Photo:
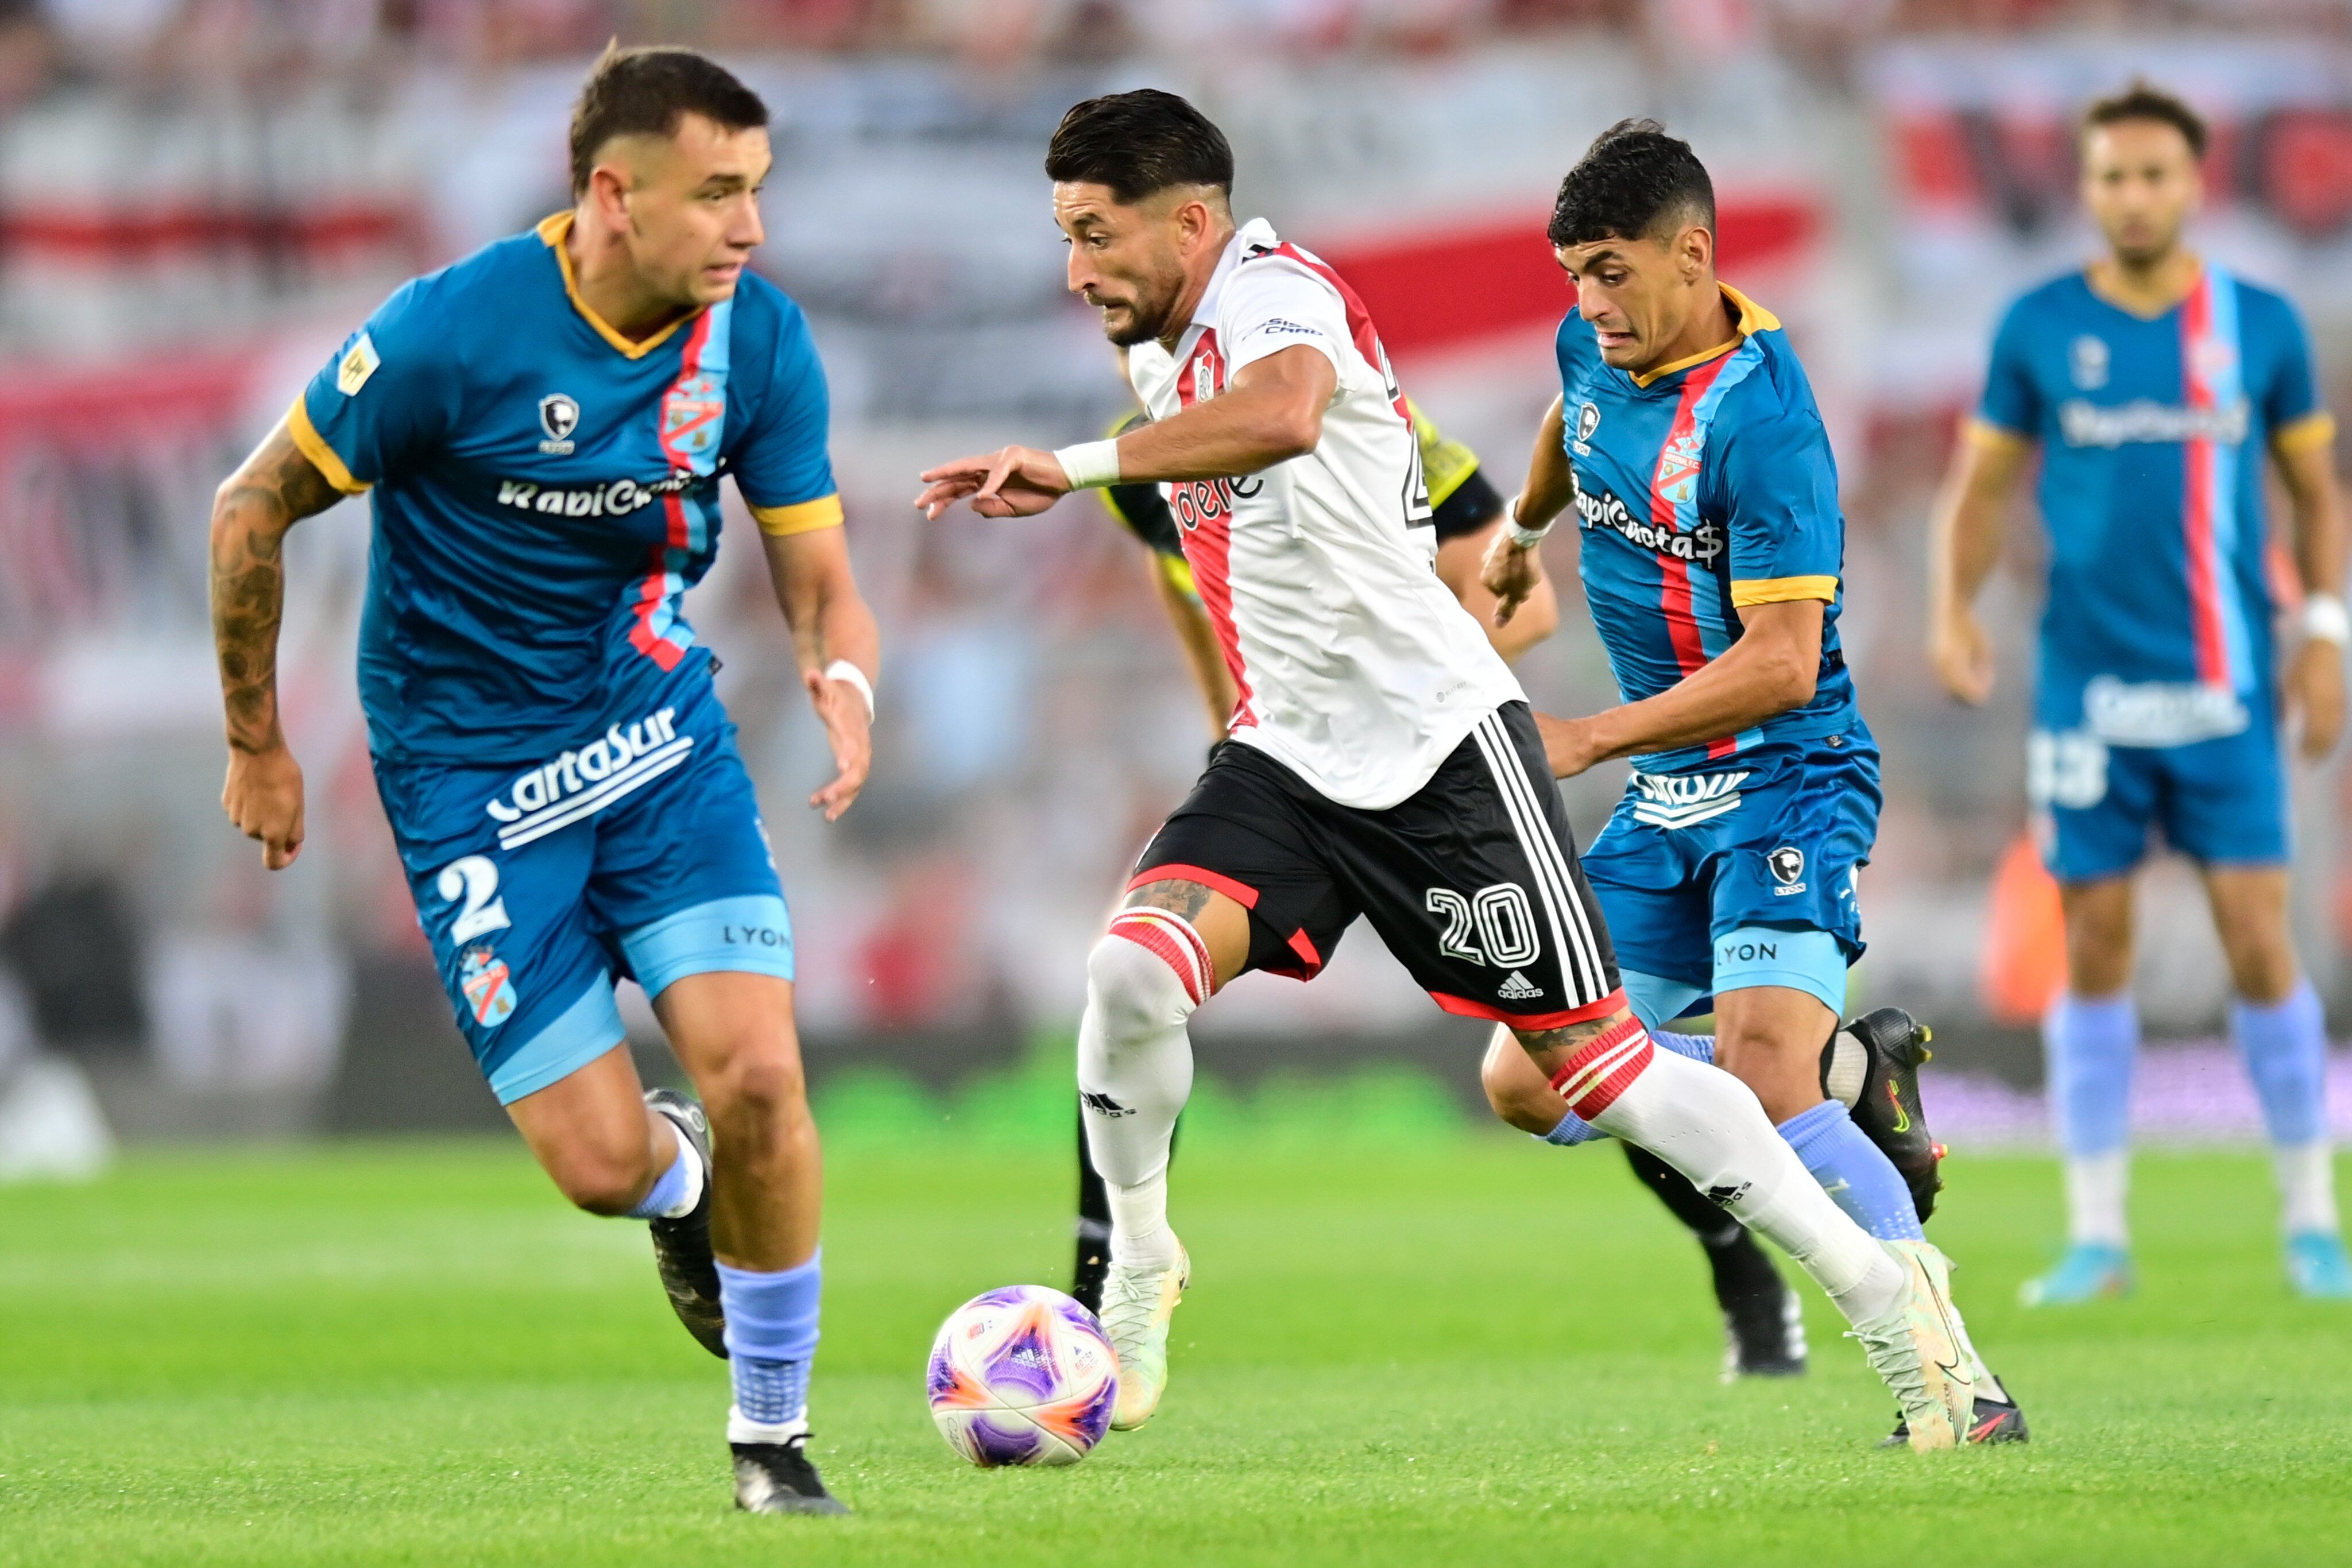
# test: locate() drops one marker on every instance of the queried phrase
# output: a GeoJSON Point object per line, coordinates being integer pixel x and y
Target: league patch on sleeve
{"type": "Point", "coordinates": [357, 366]}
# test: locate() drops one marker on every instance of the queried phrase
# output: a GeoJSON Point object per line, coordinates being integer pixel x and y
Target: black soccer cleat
{"type": "Point", "coordinates": [1883, 1076]}
{"type": "Point", "coordinates": [690, 1273]}
{"type": "Point", "coordinates": [1995, 1421]}
{"type": "Point", "coordinates": [1764, 1333]}
{"type": "Point", "coordinates": [777, 1478]}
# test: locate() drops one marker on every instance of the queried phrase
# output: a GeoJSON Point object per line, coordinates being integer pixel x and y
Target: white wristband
{"type": "Point", "coordinates": [1090, 465]}
{"type": "Point", "coordinates": [843, 670]}
{"type": "Point", "coordinates": [2325, 620]}
{"type": "Point", "coordinates": [1525, 539]}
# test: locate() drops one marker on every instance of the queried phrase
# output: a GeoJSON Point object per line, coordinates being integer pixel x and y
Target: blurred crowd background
{"type": "Point", "coordinates": [199, 198]}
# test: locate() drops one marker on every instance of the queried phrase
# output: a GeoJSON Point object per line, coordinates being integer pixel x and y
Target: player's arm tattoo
{"type": "Point", "coordinates": [1177, 897]}
{"type": "Point", "coordinates": [270, 493]}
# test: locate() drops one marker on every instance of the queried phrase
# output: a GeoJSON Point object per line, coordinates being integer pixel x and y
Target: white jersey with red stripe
{"type": "Point", "coordinates": [1357, 668]}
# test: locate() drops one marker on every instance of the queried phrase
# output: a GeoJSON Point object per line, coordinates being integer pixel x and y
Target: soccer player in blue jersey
{"type": "Point", "coordinates": [1687, 439]}
{"type": "Point", "coordinates": [543, 426]}
{"type": "Point", "coordinates": [2154, 385]}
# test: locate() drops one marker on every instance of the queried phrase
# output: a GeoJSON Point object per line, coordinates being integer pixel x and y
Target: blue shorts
{"type": "Point", "coordinates": [640, 854]}
{"type": "Point", "coordinates": [1742, 874]}
{"type": "Point", "coordinates": [2221, 801]}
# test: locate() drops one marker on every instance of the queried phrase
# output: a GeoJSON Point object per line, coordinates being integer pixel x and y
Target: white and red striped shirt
{"type": "Point", "coordinates": [1357, 669]}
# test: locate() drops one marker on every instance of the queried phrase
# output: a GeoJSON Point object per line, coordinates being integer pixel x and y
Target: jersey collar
{"type": "Point", "coordinates": [552, 231]}
{"type": "Point", "coordinates": [1257, 232]}
{"type": "Point", "coordinates": [1753, 319]}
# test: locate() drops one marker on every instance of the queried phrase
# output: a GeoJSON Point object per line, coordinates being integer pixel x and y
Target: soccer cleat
{"type": "Point", "coordinates": [2317, 1268]}
{"type": "Point", "coordinates": [777, 1478]}
{"type": "Point", "coordinates": [690, 1273]}
{"type": "Point", "coordinates": [1914, 1347]}
{"type": "Point", "coordinates": [1764, 1334]}
{"type": "Point", "coordinates": [2089, 1271]}
{"type": "Point", "coordinates": [1881, 1079]}
{"type": "Point", "coordinates": [1995, 1421]}
{"type": "Point", "coordinates": [1138, 1304]}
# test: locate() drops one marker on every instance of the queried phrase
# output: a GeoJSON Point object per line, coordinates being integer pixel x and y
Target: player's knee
{"type": "Point", "coordinates": [762, 1084]}
{"type": "Point", "coordinates": [1516, 1089]}
{"type": "Point", "coordinates": [603, 1178]}
{"type": "Point", "coordinates": [1134, 985]}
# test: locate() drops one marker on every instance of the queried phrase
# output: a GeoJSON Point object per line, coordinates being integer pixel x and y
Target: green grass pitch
{"type": "Point", "coordinates": [1452, 1349]}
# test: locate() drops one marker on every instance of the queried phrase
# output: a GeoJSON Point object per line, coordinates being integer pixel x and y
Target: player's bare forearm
{"type": "Point", "coordinates": [1551, 483]}
{"type": "Point", "coordinates": [1512, 572]}
{"type": "Point", "coordinates": [272, 490]}
{"type": "Point", "coordinates": [1272, 411]}
{"type": "Point", "coordinates": [830, 623]}
{"type": "Point", "coordinates": [1201, 649]}
{"type": "Point", "coordinates": [1770, 670]}
{"type": "Point", "coordinates": [1964, 545]}
{"type": "Point", "coordinates": [2316, 503]}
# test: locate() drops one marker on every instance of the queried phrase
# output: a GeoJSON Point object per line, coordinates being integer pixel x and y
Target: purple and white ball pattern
{"type": "Point", "coordinates": [1023, 1376]}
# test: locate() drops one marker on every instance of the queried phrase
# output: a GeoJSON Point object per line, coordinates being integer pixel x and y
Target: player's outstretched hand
{"type": "Point", "coordinates": [2314, 693]}
{"type": "Point", "coordinates": [1962, 655]}
{"type": "Point", "coordinates": [264, 797]}
{"type": "Point", "coordinates": [1510, 573]}
{"type": "Point", "coordinates": [1569, 745]}
{"type": "Point", "coordinates": [848, 729]}
{"type": "Point", "coordinates": [1016, 482]}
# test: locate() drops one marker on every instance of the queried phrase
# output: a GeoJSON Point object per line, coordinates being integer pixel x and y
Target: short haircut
{"type": "Point", "coordinates": [645, 92]}
{"type": "Point", "coordinates": [1139, 143]}
{"type": "Point", "coordinates": [2143, 99]}
{"type": "Point", "coordinates": [1631, 180]}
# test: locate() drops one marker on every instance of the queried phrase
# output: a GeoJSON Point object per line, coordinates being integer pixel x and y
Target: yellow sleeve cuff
{"type": "Point", "coordinates": [314, 446]}
{"type": "Point", "coordinates": [1980, 432]}
{"type": "Point", "coordinates": [2308, 433]}
{"type": "Point", "coordinates": [1781, 589]}
{"type": "Point", "coordinates": [800, 517]}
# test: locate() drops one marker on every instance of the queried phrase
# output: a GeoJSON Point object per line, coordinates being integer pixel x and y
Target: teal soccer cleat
{"type": "Point", "coordinates": [2317, 1268]}
{"type": "Point", "coordinates": [2089, 1271]}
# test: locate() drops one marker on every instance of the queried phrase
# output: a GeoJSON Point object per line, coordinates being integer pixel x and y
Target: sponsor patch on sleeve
{"type": "Point", "coordinates": [357, 365]}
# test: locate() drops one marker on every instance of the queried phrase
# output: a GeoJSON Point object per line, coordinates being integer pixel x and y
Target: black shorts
{"type": "Point", "coordinates": [1471, 881]}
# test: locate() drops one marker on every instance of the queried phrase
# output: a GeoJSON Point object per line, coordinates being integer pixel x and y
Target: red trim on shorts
{"type": "Point", "coordinates": [1241, 893]}
{"type": "Point", "coordinates": [1463, 1007]}
{"type": "Point", "coordinates": [1304, 947]}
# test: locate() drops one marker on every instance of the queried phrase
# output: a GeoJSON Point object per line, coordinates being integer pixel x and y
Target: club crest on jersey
{"type": "Point", "coordinates": [488, 986]}
{"type": "Point", "coordinates": [690, 418]}
{"type": "Point", "coordinates": [1588, 420]}
{"type": "Point", "coordinates": [1677, 476]}
{"type": "Point", "coordinates": [559, 416]}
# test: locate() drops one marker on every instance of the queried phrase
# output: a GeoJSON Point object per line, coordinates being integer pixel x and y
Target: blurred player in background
{"type": "Point", "coordinates": [1764, 1324]}
{"type": "Point", "coordinates": [1712, 549]}
{"type": "Point", "coordinates": [2154, 385]}
{"type": "Point", "coordinates": [544, 425]}
{"type": "Point", "coordinates": [1382, 762]}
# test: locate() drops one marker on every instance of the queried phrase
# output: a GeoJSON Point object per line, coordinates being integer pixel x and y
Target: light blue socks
{"type": "Point", "coordinates": [2090, 1046]}
{"type": "Point", "coordinates": [771, 1331]}
{"type": "Point", "coordinates": [2284, 1044]}
{"type": "Point", "coordinates": [1852, 1171]}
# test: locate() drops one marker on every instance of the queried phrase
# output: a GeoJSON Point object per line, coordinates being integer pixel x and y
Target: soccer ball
{"type": "Point", "coordinates": [1022, 1376]}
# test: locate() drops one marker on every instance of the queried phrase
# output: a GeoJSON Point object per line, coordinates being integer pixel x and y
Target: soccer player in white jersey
{"type": "Point", "coordinates": [1382, 760]}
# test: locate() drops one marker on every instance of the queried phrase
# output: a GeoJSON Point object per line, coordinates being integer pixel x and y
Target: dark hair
{"type": "Point", "coordinates": [645, 92]}
{"type": "Point", "coordinates": [1631, 179]}
{"type": "Point", "coordinates": [1137, 143]}
{"type": "Point", "coordinates": [2143, 99]}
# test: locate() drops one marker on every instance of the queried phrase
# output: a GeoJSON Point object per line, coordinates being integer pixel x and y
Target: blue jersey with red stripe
{"type": "Point", "coordinates": [546, 491]}
{"type": "Point", "coordinates": [2152, 431]}
{"type": "Point", "coordinates": [1701, 489]}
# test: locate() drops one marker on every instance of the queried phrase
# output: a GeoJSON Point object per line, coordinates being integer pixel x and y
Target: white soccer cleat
{"type": "Point", "coordinates": [1137, 1305]}
{"type": "Point", "coordinates": [1916, 1348]}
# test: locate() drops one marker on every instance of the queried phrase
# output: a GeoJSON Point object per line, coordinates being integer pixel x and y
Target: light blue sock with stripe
{"type": "Point", "coordinates": [2285, 1045]}
{"type": "Point", "coordinates": [772, 1332]}
{"type": "Point", "coordinates": [1853, 1171]}
{"type": "Point", "coordinates": [677, 1190]}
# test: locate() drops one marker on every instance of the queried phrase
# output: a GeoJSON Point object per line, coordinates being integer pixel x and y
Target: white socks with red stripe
{"type": "Point", "coordinates": [1135, 1069]}
{"type": "Point", "coordinates": [1709, 1125]}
